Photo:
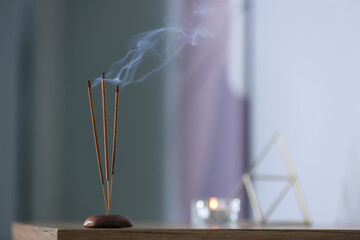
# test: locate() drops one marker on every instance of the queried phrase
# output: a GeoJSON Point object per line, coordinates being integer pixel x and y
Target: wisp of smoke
{"type": "Point", "coordinates": [161, 44]}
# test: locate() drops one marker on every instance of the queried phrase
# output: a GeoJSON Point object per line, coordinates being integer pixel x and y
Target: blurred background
{"type": "Point", "coordinates": [191, 129]}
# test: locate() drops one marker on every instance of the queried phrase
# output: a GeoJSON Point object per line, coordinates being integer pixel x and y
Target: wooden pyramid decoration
{"type": "Point", "coordinates": [291, 180]}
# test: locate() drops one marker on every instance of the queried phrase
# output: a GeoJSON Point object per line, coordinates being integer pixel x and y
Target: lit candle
{"type": "Point", "coordinates": [215, 210]}
{"type": "Point", "coordinates": [213, 203]}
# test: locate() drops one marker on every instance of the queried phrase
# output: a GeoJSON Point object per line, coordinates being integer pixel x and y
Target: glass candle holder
{"type": "Point", "coordinates": [215, 210]}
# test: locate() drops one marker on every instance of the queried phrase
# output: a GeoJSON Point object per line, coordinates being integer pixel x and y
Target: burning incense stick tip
{"type": "Point", "coordinates": [89, 84]}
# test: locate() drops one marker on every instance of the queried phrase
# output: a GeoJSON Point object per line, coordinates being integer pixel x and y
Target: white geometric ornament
{"type": "Point", "coordinates": [291, 180]}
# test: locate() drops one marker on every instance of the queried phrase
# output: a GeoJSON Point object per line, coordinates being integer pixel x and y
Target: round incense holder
{"type": "Point", "coordinates": [108, 221]}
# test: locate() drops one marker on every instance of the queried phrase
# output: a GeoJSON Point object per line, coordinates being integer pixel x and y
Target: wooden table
{"type": "Point", "coordinates": [68, 231]}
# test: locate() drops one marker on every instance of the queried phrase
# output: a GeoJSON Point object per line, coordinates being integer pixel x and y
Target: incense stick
{"type": "Point", "coordinates": [96, 141]}
{"type": "Point", "coordinates": [106, 149]}
{"type": "Point", "coordinates": [114, 141]}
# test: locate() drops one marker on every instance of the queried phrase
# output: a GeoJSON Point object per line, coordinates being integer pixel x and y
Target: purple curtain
{"type": "Point", "coordinates": [211, 132]}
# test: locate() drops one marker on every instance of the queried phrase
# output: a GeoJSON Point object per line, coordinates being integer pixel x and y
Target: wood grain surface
{"type": "Point", "coordinates": [67, 231]}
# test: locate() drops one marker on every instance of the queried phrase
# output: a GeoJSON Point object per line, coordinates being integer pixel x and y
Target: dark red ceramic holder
{"type": "Point", "coordinates": [108, 221]}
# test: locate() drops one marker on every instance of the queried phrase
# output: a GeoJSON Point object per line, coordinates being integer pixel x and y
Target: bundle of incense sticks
{"type": "Point", "coordinates": [108, 193]}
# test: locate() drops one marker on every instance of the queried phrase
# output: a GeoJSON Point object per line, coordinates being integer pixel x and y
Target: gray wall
{"type": "Point", "coordinates": [9, 45]}
{"type": "Point", "coordinates": [76, 41]}
{"type": "Point", "coordinates": [307, 86]}
{"type": "Point", "coordinates": [48, 169]}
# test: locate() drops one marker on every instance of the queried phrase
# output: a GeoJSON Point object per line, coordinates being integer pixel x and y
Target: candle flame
{"type": "Point", "coordinates": [213, 203]}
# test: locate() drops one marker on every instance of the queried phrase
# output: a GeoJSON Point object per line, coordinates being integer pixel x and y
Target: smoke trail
{"type": "Point", "coordinates": [161, 45]}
